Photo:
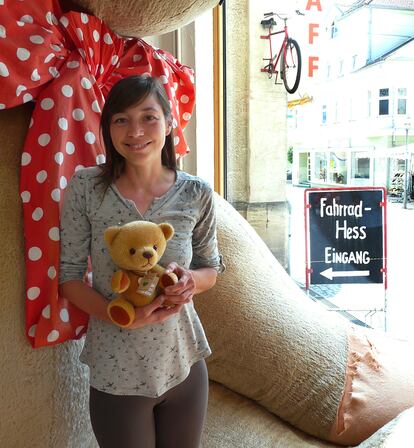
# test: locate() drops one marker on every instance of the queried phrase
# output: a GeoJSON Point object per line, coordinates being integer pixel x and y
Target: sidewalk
{"type": "Point", "coordinates": [363, 297]}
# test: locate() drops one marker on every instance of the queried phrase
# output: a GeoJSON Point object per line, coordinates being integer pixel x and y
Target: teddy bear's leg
{"type": "Point", "coordinates": [121, 312]}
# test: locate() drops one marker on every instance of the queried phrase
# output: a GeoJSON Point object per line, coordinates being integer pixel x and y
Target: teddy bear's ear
{"type": "Point", "coordinates": [110, 234]}
{"type": "Point", "coordinates": [167, 230]}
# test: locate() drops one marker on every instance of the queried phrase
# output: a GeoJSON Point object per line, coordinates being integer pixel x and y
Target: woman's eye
{"type": "Point", "coordinates": [151, 117]}
{"type": "Point", "coordinates": [120, 120]}
{"type": "Point", "coordinates": [155, 247]}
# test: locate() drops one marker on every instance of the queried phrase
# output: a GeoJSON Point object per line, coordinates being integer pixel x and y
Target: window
{"type": "Point", "coordinates": [402, 101]}
{"type": "Point", "coordinates": [341, 68]}
{"type": "Point", "coordinates": [328, 71]}
{"type": "Point", "coordinates": [324, 113]}
{"type": "Point", "coordinates": [320, 166]}
{"type": "Point", "coordinates": [334, 30]}
{"type": "Point", "coordinates": [354, 60]}
{"type": "Point", "coordinates": [384, 101]}
{"type": "Point", "coordinates": [338, 167]}
{"type": "Point", "coordinates": [360, 166]}
{"type": "Point", "coordinates": [369, 103]}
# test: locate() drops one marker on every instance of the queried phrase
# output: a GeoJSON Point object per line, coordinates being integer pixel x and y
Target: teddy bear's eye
{"type": "Point", "coordinates": [155, 247]}
{"type": "Point", "coordinates": [132, 251]}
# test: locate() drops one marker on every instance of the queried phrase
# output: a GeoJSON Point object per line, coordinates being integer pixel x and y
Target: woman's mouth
{"type": "Point", "coordinates": [137, 146]}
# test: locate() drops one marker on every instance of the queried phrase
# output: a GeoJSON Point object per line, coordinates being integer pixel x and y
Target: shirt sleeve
{"type": "Point", "coordinates": [205, 249]}
{"type": "Point", "coordinates": [75, 232]}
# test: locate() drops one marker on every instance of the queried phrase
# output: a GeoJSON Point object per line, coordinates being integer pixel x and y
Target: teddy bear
{"type": "Point", "coordinates": [136, 248]}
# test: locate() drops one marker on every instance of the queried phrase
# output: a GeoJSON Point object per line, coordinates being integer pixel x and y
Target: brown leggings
{"type": "Point", "coordinates": [174, 420]}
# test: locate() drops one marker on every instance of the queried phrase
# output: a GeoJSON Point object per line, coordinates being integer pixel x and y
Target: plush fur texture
{"type": "Point", "coordinates": [140, 18]}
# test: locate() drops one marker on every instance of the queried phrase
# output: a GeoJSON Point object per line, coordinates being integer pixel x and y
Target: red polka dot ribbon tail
{"type": "Point", "coordinates": [67, 64]}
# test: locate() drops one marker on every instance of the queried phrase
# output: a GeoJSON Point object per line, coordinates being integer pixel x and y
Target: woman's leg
{"type": "Point", "coordinates": [179, 418]}
{"type": "Point", "coordinates": [122, 421]}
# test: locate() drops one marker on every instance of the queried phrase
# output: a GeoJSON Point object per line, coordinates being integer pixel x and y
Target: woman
{"type": "Point", "coordinates": [149, 382]}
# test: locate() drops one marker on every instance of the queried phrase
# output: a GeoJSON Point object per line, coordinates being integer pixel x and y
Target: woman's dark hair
{"type": "Point", "coordinates": [124, 94]}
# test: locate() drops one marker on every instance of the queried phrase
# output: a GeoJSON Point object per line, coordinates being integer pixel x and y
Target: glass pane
{"type": "Point", "coordinates": [320, 166]}
{"type": "Point", "coordinates": [383, 107]}
{"type": "Point", "coordinates": [402, 106]}
{"type": "Point", "coordinates": [384, 92]}
{"type": "Point", "coordinates": [338, 169]}
{"type": "Point", "coordinates": [402, 92]}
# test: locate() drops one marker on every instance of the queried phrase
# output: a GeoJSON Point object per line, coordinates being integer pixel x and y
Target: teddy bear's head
{"type": "Point", "coordinates": [138, 245]}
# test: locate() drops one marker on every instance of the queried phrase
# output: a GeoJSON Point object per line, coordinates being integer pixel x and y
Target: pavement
{"type": "Point", "coordinates": [370, 305]}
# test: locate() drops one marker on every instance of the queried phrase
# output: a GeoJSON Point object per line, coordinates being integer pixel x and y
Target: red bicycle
{"type": "Point", "coordinates": [288, 55]}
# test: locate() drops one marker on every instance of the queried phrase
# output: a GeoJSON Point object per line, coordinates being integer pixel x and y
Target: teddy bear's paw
{"type": "Point", "coordinates": [121, 312]}
{"type": "Point", "coordinates": [168, 280]}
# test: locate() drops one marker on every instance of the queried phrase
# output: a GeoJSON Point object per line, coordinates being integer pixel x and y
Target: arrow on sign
{"type": "Point", "coordinates": [330, 274]}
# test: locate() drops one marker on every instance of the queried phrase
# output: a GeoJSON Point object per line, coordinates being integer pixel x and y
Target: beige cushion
{"type": "Point", "coordinates": [234, 421]}
{"type": "Point", "coordinates": [140, 18]}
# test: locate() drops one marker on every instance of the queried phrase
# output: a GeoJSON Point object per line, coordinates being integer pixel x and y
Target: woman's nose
{"type": "Point", "coordinates": [135, 130]}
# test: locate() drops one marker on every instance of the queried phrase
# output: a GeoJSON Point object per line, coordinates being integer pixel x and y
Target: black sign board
{"type": "Point", "coordinates": [345, 235]}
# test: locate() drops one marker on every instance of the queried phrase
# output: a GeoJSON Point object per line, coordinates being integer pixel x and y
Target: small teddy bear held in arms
{"type": "Point", "coordinates": [136, 248]}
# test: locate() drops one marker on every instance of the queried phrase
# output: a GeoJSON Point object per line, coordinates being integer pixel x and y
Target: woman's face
{"type": "Point", "coordinates": [138, 133]}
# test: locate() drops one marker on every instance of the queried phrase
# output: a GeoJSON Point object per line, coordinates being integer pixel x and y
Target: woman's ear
{"type": "Point", "coordinates": [168, 127]}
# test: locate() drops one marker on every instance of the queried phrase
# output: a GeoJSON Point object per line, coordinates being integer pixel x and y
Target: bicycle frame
{"type": "Point", "coordinates": [274, 60]}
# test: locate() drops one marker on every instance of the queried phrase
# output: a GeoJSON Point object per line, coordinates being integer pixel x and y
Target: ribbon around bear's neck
{"type": "Point", "coordinates": [67, 64]}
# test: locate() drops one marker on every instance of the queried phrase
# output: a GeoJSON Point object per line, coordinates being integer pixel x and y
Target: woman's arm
{"type": "Point", "coordinates": [85, 298]}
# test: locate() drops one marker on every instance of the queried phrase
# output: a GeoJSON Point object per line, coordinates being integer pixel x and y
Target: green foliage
{"type": "Point", "coordinates": [290, 154]}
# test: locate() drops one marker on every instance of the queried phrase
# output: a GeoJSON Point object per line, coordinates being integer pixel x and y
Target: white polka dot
{"type": "Point", "coordinates": [70, 148]}
{"type": "Point", "coordinates": [176, 140]}
{"type": "Point", "coordinates": [78, 114]}
{"type": "Point", "coordinates": [4, 71]}
{"type": "Point", "coordinates": [37, 214]}
{"type": "Point", "coordinates": [184, 99]}
{"type": "Point", "coordinates": [44, 139]}
{"type": "Point", "coordinates": [46, 312]}
{"type": "Point", "coordinates": [73, 64]}
{"type": "Point", "coordinates": [67, 90]}
{"type": "Point", "coordinates": [56, 194]}
{"type": "Point", "coordinates": [156, 55]}
{"type": "Point", "coordinates": [108, 39]}
{"type": "Point", "coordinates": [26, 158]}
{"type": "Point", "coordinates": [64, 21]}
{"type": "Point", "coordinates": [32, 331]}
{"type": "Point", "coordinates": [83, 54]}
{"type": "Point", "coordinates": [63, 182]}
{"type": "Point", "coordinates": [23, 54]}
{"type": "Point", "coordinates": [137, 57]}
{"type": "Point", "coordinates": [2, 32]}
{"type": "Point", "coordinates": [79, 329]}
{"type": "Point", "coordinates": [51, 18]}
{"type": "Point", "coordinates": [114, 59]}
{"type": "Point", "coordinates": [55, 47]}
{"type": "Point", "coordinates": [84, 17]}
{"type": "Point", "coordinates": [63, 124]}
{"type": "Point", "coordinates": [64, 315]}
{"type": "Point", "coordinates": [95, 107]}
{"type": "Point", "coordinates": [26, 19]}
{"type": "Point", "coordinates": [25, 195]}
{"type": "Point", "coordinates": [36, 39]}
{"type": "Point", "coordinates": [53, 336]}
{"type": "Point", "coordinates": [59, 158]}
{"type": "Point", "coordinates": [41, 176]}
{"type": "Point", "coordinates": [2, 106]}
{"type": "Point", "coordinates": [20, 88]}
{"type": "Point", "coordinates": [54, 234]}
{"type": "Point", "coordinates": [186, 116]}
{"type": "Point", "coordinates": [49, 57]}
{"type": "Point", "coordinates": [79, 167]}
{"type": "Point", "coordinates": [51, 272]}
{"type": "Point", "coordinates": [79, 33]}
{"type": "Point", "coordinates": [35, 75]}
{"type": "Point", "coordinates": [31, 122]}
{"type": "Point", "coordinates": [86, 84]}
{"type": "Point", "coordinates": [191, 78]}
{"type": "Point", "coordinates": [33, 293]}
{"type": "Point", "coordinates": [164, 79]}
{"type": "Point", "coordinates": [100, 158]}
{"type": "Point", "coordinates": [96, 36]}
{"type": "Point", "coordinates": [47, 103]}
{"type": "Point", "coordinates": [174, 123]}
{"type": "Point", "coordinates": [54, 72]}
{"type": "Point", "coordinates": [90, 137]}
{"type": "Point", "coordinates": [35, 253]}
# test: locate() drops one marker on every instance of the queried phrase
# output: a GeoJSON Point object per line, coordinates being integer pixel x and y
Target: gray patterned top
{"type": "Point", "coordinates": [150, 360]}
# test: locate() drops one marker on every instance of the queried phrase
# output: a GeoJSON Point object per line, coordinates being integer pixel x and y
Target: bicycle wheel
{"type": "Point", "coordinates": [291, 66]}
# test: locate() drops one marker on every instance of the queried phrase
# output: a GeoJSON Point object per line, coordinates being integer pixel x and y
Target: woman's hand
{"type": "Point", "coordinates": [182, 292]}
{"type": "Point", "coordinates": [153, 313]}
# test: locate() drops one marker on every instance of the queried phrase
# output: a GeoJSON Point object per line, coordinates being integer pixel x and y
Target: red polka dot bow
{"type": "Point", "coordinates": [67, 64]}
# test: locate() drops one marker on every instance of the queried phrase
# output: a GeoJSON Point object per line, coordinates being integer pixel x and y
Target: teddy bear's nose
{"type": "Point", "coordinates": [147, 255]}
